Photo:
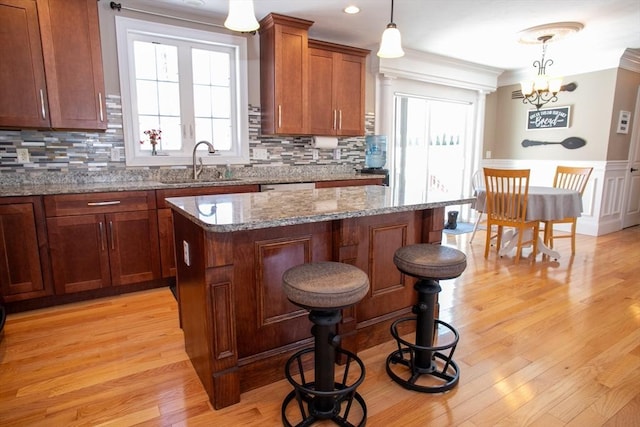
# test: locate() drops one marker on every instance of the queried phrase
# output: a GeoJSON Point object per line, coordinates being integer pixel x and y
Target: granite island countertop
{"type": "Point", "coordinates": [247, 211]}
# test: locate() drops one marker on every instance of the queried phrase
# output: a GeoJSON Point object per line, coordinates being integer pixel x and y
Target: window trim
{"type": "Point", "coordinates": [134, 156]}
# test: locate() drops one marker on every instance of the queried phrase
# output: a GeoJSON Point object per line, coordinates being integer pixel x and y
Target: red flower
{"type": "Point", "coordinates": [154, 136]}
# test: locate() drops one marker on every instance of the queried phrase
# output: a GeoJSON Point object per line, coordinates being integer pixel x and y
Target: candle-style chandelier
{"type": "Point", "coordinates": [543, 88]}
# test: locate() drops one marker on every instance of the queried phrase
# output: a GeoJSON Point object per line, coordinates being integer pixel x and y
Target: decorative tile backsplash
{"type": "Point", "coordinates": [87, 152]}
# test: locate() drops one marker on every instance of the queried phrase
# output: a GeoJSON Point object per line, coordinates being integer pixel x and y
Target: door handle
{"type": "Point", "coordinates": [634, 170]}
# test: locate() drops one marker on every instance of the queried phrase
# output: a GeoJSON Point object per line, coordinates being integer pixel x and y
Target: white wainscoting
{"type": "Point", "coordinates": [602, 199]}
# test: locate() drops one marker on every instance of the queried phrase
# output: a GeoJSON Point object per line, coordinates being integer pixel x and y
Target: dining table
{"type": "Point", "coordinates": [544, 204]}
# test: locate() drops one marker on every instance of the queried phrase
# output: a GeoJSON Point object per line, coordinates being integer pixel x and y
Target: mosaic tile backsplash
{"type": "Point", "coordinates": [89, 153]}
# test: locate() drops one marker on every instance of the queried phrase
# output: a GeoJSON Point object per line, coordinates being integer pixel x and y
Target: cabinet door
{"type": "Point", "coordinates": [133, 246]}
{"type": "Point", "coordinates": [283, 75]}
{"type": "Point", "coordinates": [79, 252]}
{"type": "Point", "coordinates": [291, 80]}
{"type": "Point", "coordinates": [21, 275]}
{"type": "Point", "coordinates": [350, 89]}
{"type": "Point", "coordinates": [322, 110]}
{"type": "Point", "coordinates": [73, 61]}
{"type": "Point", "coordinates": [23, 92]}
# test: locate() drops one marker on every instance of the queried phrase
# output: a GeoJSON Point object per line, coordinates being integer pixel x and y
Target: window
{"type": "Point", "coordinates": [190, 84]}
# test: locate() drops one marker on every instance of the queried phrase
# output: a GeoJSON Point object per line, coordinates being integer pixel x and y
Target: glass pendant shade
{"type": "Point", "coordinates": [555, 85]}
{"type": "Point", "coordinates": [391, 43]}
{"type": "Point", "coordinates": [241, 16]}
{"type": "Point", "coordinates": [541, 84]}
{"type": "Point", "coordinates": [526, 87]}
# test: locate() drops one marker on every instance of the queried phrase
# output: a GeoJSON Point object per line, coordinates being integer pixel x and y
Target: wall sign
{"type": "Point", "coordinates": [548, 118]}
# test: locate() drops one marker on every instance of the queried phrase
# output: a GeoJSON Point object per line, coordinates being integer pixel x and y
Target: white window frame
{"type": "Point", "coordinates": [128, 30]}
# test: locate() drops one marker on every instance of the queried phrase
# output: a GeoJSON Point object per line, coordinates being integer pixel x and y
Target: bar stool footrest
{"type": "Point", "coordinates": [343, 395]}
{"type": "Point", "coordinates": [443, 369]}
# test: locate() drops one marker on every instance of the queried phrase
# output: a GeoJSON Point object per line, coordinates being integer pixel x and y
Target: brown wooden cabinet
{"type": "Point", "coordinates": [51, 74]}
{"type": "Point", "coordinates": [24, 264]}
{"type": "Point", "coordinates": [23, 90]}
{"type": "Point", "coordinates": [284, 74]}
{"type": "Point", "coordinates": [349, 182]}
{"type": "Point", "coordinates": [98, 240]}
{"type": "Point", "coordinates": [165, 218]}
{"type": "Point", "coordinates": [336, 89]}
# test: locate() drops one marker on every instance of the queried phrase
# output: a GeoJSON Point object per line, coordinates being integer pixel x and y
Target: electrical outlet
{"type": "Point", "coordinates": [23, 155]}
{"type": "Point", "coordinates": [260, 154]}
{"type": "Point", "coordinates": [115, 154]}
{"type": "Point", "coordinates": [336, 154]}
{"type": "Point", "coordinates": [186, 256]}
{"type": "Point", "coordinates": [316, 154]}
{"type": "Point", "coordinates": [487, 155]}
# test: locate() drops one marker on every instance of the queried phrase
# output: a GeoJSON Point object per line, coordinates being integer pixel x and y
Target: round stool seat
{"type": "Point", "coordinates": [325, 285]}
{"type": "Point", "coordinates": [430, 261]}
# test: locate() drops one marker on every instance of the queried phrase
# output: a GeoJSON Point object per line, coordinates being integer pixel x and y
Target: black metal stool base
{"type": "Point", "coordinates": [343, 396]}
{"type": "Point", "coordinates": [442, 369]}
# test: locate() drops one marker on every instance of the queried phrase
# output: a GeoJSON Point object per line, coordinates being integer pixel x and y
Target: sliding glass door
{"type": "Point", "coordinates": [432, 146]}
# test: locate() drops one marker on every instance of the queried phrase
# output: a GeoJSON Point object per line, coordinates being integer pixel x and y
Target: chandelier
{"type": "Point", "coordinates": [543, 89]}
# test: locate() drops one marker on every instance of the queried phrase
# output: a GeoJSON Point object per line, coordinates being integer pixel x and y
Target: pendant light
{"type": "Point", "coordinates": [241, 16]}
{"type": "Point", "coordinates": [391, 43]}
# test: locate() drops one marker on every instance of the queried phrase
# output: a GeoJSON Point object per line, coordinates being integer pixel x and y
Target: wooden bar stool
{"type": "Point", "coordinates": [429, 264]}
{"type": "Point", "coordinates": [324, 288]}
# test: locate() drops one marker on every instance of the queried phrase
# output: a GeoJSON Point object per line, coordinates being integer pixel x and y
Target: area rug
{"type": "Point", "coordinates": [461, 228]}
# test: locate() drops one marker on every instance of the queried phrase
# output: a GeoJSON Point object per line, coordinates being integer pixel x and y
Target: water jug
{"type": "Point", "coordinates": [375, 151]}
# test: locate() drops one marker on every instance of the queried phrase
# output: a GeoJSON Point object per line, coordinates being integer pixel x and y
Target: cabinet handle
{"type": "Point", "coordinates": [44, 112]}
{"type": "Point", "coordinates": [101, 227]}
{"type": "Point", "coordinates": [111, 235]}
{"type": "Point", "coordinates": [335, 115]}
{"type": "Point", "coordinates": [340, 121]}
{"type": "Point", "coordinates": [279, 116]}
{"type": "Point", "coordinates": [101, 110]}
{"type": "Point", "coordinates": [111, 202]}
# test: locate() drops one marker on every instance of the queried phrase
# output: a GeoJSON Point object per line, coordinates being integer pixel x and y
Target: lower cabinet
{"type": "Point", "coordinates": [24, 264]}
{"type": "Point", "coordinates": [349, 182]}
{"type": "Point", "coordinates": [92, 249]}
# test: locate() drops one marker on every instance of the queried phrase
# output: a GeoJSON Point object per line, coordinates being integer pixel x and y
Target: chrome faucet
{"type": "Point", "coordinates": [198, 170]}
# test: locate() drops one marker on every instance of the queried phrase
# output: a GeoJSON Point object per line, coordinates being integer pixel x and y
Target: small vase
{"type": "Point", "coordinates": [154, 152]}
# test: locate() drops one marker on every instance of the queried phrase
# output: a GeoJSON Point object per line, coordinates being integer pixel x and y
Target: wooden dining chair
{"type": "Point", "coordinates": [572, 179]}
{"type": "Point", "coordinates": [507, 192]}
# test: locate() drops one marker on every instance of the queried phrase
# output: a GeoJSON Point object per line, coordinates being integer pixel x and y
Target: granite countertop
{"type": "Point", "coordinates": [247, 211]}
{"type": "Point", "coordinates": [38, 189]}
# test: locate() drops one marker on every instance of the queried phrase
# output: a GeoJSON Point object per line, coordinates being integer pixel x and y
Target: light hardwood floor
{"type": "Point", "coordinates": [545, 344]}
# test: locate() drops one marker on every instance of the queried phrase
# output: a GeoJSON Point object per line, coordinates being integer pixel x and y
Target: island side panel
{"type": "Point", "coordinates": [391, 294]}
{"type": "Point", "coordinates": [271, 328]}
{"type": "Point", "coordinates": [205, 294]}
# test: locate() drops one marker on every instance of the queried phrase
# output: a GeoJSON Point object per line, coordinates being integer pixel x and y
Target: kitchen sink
{"type": "Point", "coordinates": [198, 181]}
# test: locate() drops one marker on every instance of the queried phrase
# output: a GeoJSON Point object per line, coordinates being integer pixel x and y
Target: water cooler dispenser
{"type": "Point", "coordinates": [376, 156]}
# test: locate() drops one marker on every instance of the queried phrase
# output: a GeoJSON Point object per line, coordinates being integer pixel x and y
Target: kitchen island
{"type": "Point", "coordinates": [231, 252]}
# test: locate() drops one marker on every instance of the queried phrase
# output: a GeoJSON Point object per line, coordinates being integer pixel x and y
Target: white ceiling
{"type": "Point", "coordinates": [478, 31]}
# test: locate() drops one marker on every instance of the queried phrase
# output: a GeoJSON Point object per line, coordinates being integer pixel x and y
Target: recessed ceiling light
{"type": "Point", "coordinates": [352, 9]}
{"type": "Point", "coordinates": [194, 2]}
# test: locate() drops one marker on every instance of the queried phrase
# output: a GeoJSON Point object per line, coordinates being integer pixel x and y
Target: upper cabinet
{"type": "Point", "coordinates": [309, 87]}
{"type": "Point", "coordinates": [283, 75]}
{"type": "Point", "coordinates": [336, 89]}
{"type": "Point", "coordinates": [51, 74]}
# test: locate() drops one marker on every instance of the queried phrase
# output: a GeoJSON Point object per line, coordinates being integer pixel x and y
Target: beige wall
{"type": "Point", "coordinates": [627, 85]}
{"type": "Point", "coordinates": [591, 109]}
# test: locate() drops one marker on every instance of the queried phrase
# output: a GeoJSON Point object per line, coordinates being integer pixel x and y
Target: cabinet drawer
{"type": "Point", "coordinates": [91, 203]}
